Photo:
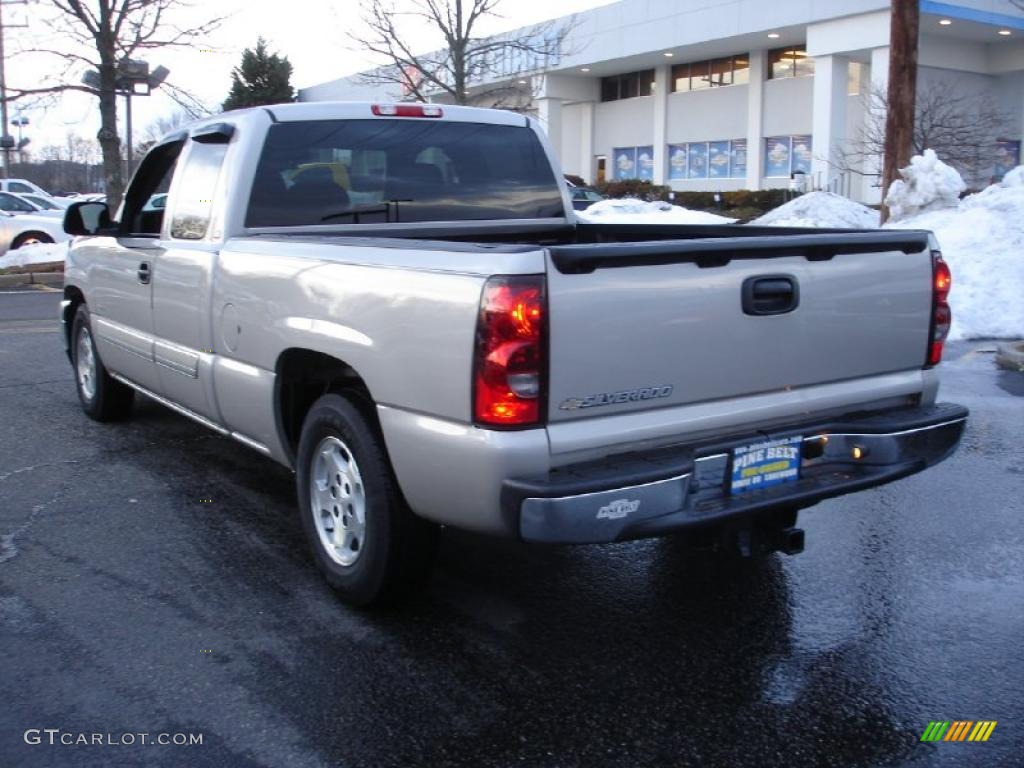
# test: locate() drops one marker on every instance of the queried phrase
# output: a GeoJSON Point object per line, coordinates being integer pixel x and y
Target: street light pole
{"type": "Point", "coordinates": [128, 128]}
{"type": "Point", "coordinates": [4, 143]}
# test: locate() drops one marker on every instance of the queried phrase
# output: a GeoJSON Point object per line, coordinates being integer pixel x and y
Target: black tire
{"type": "Point", "coordinates": [40, 237]}
{"type": "Point", "coordinates": [109, 400]}
{"type": "Point", "coordinates": [398, 549]}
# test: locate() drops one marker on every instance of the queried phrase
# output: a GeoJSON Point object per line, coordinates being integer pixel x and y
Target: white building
{"type": "Point", "coordinates": [738, 94]}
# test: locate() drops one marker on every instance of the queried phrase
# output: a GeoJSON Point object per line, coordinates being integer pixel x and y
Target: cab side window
{"type": "Point", "coordinates": [193, 197]}
{"type": "Point", "coordinates": [138, 218]}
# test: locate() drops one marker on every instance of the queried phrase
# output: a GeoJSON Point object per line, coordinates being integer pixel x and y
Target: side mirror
{"type": "Point", "coordinates": [88, 218]}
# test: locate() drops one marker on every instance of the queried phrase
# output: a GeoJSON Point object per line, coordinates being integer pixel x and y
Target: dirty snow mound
{"type": "Point", "coordinates": [821, 209]}
{"type": "Point", "coordinates": [927, 184]}
{"type": "Point", "coordinates": [43, 253]}
{"type": "Point", "coordinates": [630, 210]}
{"type": "Point", "coordinates": [982, 240]}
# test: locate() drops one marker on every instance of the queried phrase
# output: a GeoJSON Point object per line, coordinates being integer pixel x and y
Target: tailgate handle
{"type": "Point", "coordinates": [770, 295]}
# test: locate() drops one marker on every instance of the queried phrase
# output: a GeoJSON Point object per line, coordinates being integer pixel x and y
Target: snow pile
{"type": "Point", "coordinates": [928, 184]}
{"type": "Point", "coordinates": [43, 253]}
{"type": "Point", "coordinates": [1014, 178]}
{"type": "Point", "coordinates": [630, 210]}
{"type": "Point", "coordinates": [821, 209]}
{"type": "Point", "coordinates": [982, 240]}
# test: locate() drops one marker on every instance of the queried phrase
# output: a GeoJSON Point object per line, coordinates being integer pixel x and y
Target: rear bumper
{"type": "Point", "coordinates": [656, 492]}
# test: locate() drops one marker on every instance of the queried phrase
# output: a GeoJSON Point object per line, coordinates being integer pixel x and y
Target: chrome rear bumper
{"type": "Point", "coordinates": [652, 493]}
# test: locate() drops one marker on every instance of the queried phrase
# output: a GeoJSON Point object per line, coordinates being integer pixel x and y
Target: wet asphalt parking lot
{"type": "Point", "coordinates": [130, 605]}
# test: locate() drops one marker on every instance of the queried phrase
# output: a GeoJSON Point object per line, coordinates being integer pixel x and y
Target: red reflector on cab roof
{"type": "Point", "coordinates": [406, 110]}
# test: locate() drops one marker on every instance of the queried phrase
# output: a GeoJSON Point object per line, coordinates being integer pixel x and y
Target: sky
{"type": "Point", "coordinates": [310, 33]}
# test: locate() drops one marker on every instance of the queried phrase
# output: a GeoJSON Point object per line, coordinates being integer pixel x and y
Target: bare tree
{"type": "Point", "coordinates": [68, 166]}
{"type": "Point", "coordinates": [101, 35]}
{"type": "Point", "coordinates": [961, 127]}
{"type": "Point", "coordinates": [468, 69]}
{"type": "Point", "coordinates": [160, 127]}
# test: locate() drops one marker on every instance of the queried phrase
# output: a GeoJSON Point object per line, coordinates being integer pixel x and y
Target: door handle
{"type": "Point", "coordinates": [770, 294]}
{"type": "Point", "coordinates": [144, 273]}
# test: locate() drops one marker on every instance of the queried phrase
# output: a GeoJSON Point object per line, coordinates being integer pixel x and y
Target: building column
{"type": "Point", "coordinates": [828, 125]}
{"type": "Point", "coordinates": [587, 142]}
{"type": "Point", "coordinates": [755, 118]}
{"type": "Point", "coordinates": [549, 113]}
{"type": "Point", "coordinates": [661, 87]}
{"type": "Point", "coordinates": [875, 114]}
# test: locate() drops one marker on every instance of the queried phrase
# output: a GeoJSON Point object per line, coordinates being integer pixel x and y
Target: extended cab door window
{"type": "Point", "coordinates": [193, 194]}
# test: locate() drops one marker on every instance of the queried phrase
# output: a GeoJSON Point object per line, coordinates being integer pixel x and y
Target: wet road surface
{"type": "Point", "coordinates": [128, 605]}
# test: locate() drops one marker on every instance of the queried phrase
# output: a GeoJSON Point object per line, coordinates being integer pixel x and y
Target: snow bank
{"type": "Point", "coordinates": [44, 253]}
{"type": "Point", "coordinates": [629, 210]}
{"type": "Point", "coordinates": [982, 239]}
{"type": "Point", "coordinates": [821, 209]}
{"type": "Point", "coordinates": [928, 184]}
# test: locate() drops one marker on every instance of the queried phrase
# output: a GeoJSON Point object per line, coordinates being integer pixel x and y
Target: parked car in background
{"type": "Point", "coordinates": [22, 186]}
{"type": "Point", "coordinates": [11, 203]}
{"type": "Point", "coordinates": [584, 197]}
{"type": "Point", "coordinates": [156, 202]}
{"type": "Point", "coordinates": [14, 203]}
{"type": "Point", "coordinates": [47, 203]}
{"type": "Point", "coordinates": [17, 230]}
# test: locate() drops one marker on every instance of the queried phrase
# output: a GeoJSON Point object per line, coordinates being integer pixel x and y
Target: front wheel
{"type": "Point", "coordinates": [103, 398]}
{"type": "Point", "coordinates": [366, 541]}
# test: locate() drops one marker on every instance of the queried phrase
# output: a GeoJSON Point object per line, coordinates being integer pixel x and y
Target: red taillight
{"type": "Point", "coordinates": [509, 361]}
{"type": "Point", "coordinates": [942, 316]}
{"type": "Point", "coordinates": [406, 110]}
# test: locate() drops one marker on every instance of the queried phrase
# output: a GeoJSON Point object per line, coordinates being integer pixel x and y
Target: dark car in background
{"type": "Point", "coordinates": [584, 197]}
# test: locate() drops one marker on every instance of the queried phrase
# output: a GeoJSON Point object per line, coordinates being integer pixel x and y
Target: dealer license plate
{"type": "Point", "coordinates": [765, 464]}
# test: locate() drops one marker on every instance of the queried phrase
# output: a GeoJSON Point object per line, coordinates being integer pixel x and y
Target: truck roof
{"type": "Point", "coordinates": [340, 110]}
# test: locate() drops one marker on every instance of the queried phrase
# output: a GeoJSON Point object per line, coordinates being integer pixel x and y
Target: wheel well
{"type": "Point", "coordinates": [77, 299]}
{"type": "Point", "coordinates": [304, 375]}
{"type": "Point", "coordinates": [22, 236]}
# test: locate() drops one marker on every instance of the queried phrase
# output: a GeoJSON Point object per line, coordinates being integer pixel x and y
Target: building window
{"type": "Point", "coordinates": [627, 86]}
{"type": "Point", "coordinates": [633, 163]}
{"type": "Point", "coordinates": [853, 75]}
{"type": "Point", "coordinates": [731, 70]}
{"type": "Point", "coordinates": [789, 62]}
{"type": "Point", "coordinates": [785, 155]}
{"type": "Point", "coordinates": [708, 160]}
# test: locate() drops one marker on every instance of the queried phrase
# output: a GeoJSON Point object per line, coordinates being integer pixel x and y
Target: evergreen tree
{"type": "Point", "coordinates": [263, 78]}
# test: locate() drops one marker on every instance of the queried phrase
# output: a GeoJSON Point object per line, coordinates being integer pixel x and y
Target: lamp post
{"type": "Point", "coordinates": [133, 79]}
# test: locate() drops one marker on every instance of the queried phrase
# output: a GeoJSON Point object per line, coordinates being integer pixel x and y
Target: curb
{"type": "Point", "coordinates": [32, 278]}
{"type": "Point", "coordinates": [1010, 355]}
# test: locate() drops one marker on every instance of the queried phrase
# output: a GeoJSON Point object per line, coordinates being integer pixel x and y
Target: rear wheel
{"type": "Point", "coordinates": [366, 541]}
{"type": "Point", "coordinates": [103, 398]}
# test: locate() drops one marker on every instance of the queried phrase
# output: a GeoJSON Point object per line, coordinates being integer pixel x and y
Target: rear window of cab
{"type": "Point", "coordinates": [382, 171]}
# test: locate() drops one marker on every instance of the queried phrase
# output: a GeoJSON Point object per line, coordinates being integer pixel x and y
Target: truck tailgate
{"type": "Point", "coordinates": [639, 326]}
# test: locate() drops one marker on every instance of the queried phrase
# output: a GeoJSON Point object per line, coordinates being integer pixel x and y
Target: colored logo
{"type": "Point", "coordinates": [958, 730]}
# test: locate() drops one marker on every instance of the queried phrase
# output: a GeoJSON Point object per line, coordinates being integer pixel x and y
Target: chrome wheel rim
{"type": "Point", "coordinates": [338, 501]}
{"type": "Point", "coordinates": [85, 365]}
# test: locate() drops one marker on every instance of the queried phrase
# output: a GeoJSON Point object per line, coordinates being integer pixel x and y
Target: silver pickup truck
{"type": "Point", "coordinates": [396, 302]}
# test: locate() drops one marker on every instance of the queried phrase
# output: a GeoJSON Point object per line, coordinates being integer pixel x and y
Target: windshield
{"type": "Point", "coordinates": [9, 202]}
{"type": "Point", "coordinates": [46, 205]}
{"type": "Point", "coordinates": [374, 171]}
